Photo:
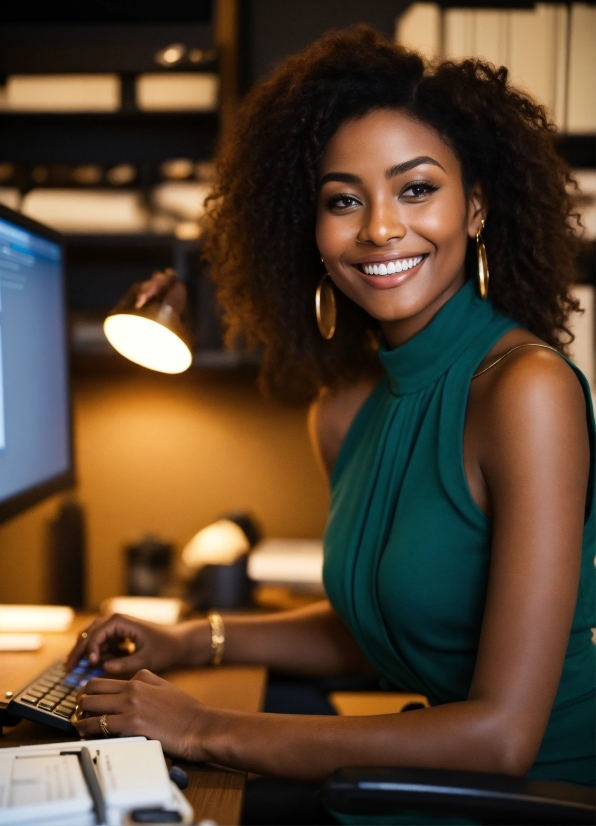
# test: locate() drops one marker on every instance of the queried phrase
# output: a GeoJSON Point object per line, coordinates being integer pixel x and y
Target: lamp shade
{"type": "Point", "coordinates": [154, 336]}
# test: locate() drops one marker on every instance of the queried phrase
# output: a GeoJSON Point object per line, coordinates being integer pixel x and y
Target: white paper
{"type": "Point", "coordinates": [39, 788]}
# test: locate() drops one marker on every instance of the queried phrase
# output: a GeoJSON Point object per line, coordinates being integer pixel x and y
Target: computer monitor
{"type": "Point", "coordinates": [35, 415]}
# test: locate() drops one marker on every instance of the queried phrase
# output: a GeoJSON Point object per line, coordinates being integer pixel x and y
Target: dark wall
{"type": "Point", "coordinates": [271, 30]}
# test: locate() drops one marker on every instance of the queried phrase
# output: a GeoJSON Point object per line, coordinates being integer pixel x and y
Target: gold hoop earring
{"type": "Point", "coordinates": [325, 308]}
{"type": "Point", "coordinates": [482, 263]}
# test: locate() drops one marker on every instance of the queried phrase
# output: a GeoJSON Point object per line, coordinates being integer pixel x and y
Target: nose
{"type": "Point", "coordinates": [382, 222]}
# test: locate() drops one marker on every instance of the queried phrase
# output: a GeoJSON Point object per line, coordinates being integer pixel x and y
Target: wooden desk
{"type": "Point", "coordinates": [214, 792]}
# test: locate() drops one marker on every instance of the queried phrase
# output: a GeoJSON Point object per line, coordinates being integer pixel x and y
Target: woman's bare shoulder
{"type": "Point", "coordinates": [530, 401]}
{"type": "Point", "coordinates": [330, 417]}
{"type": "Point", "coordinates": [519, 365]}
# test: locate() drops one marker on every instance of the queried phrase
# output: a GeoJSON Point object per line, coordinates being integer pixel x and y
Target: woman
{"type": "Point", "coordinates": [458, 553]}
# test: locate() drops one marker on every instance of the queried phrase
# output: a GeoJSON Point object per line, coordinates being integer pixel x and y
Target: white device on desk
{"type": "Point", "coordinates": [89, 782]}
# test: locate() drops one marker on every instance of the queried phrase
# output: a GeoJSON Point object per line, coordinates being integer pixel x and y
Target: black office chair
{"type": "Point", "coordinates": [484, 798]}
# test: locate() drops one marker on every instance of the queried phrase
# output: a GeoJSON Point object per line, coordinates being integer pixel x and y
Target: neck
{"type": "Point", "coordinates": [397, 332]}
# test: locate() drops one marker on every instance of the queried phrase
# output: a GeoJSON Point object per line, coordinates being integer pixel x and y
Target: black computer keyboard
{"type": "Point", "coordinates": [51, 697]}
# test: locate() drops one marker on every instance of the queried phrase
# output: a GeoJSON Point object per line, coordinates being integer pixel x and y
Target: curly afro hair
{"type": "Point", "coordinates": [260, 221]}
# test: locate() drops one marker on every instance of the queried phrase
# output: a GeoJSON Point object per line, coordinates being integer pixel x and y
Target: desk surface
{"type": "Point", "coordinates": [214, 792]}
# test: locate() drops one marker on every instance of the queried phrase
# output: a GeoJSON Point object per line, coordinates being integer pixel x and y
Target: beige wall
{"type": "Point", "coordinates": [168, 455]}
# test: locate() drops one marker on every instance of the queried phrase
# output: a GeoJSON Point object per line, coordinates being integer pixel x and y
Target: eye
{"type": "Point", "coordinates": [417, 190]}
{"type": "Point", "coordinates": [341, 202]}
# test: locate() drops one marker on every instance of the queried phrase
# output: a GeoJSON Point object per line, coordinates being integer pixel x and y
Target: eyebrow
{"type": "Point", "coordinates": [398, 169]}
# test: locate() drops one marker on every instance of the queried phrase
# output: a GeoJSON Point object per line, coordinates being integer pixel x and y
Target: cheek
{"type": "Point", "coordinates": [444, 225]}
{"type": "Point", "coordinates": [333, 235]}
{"type": "Point", "coordinates": [320, 234]}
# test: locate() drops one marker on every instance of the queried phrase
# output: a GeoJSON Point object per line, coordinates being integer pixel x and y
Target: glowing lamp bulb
{"type": "Point", "coordinates": [153, 336]}
{"type": "Point", "coordinates": [147, 343]}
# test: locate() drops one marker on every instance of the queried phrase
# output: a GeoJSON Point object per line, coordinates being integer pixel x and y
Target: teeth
{"type": "Point", "coordinates": [399, 265]}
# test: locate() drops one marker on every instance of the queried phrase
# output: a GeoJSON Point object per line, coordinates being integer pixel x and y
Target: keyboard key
{"type": "Point", "coordinates": [61, 711]}
{"type": "Point", "coordinates": [30, 699]}
{"type": "Point", "coordinates": [35, 693]}
{"type": "Point", "coordinates": [47, 705]}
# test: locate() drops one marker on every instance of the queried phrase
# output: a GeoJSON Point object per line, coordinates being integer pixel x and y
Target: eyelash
{"type": "Point", "coordinates": [334, 200]}
{"type": "Point", "coordinates": [426, 185]}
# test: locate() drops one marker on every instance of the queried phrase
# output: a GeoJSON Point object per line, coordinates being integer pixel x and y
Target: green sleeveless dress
{"type": "Point", "coordinates": [407, 550]}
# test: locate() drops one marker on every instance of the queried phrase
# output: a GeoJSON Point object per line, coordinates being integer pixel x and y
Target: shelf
{"type": "Point", "coordinates": [127, 46]}
{"type": "Point", "coordinates": [137, 137]}
{"type": "Point", "coordinates": [578, 150]}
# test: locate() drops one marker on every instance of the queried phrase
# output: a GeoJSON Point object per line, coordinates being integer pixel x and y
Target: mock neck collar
{"type": "Point", "coordinates": [421, 360]}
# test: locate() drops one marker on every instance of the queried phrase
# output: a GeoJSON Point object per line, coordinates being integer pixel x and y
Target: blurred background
{"type": "Point", "coordinates": [110, 113]}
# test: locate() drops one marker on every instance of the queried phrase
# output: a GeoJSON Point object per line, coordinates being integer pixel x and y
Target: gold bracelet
{"type": "Point", "coordinates": [218, 637]}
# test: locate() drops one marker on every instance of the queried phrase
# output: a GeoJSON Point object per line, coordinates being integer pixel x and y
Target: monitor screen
{"type": "Point", "coordinates": [35, 418]}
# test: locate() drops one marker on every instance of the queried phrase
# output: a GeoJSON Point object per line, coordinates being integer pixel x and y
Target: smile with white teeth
{"type": "Point", "coordinates": [389, 267]}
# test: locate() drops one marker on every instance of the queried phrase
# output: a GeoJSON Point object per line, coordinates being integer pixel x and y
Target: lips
{"type": "Point", "coordinates": [390, 272]}
{"type": "Point", "coordinates": [390, 267]}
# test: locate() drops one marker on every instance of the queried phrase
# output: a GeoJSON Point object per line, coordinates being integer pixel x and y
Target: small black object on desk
{"type": "Point", "coordinates": [155, 816]}
{"type": "Point", "coordinates": [179, 777]}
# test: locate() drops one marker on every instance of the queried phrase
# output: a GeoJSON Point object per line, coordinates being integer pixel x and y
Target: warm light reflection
{"type": "Point", "coordinates": [163, 610]}
{"type": "Point", "coordinates": [147, 343]}
{"type": "Point", "coordinates": [35, 617]}
{"type": "Point", "coordinates": [171, 54]}
{"type": "Point", "coordinates": [20, 642]}
{"type": "Point", "coordinates": [221, 543]}
{"type": "Point", "coordinates": [287, 562]}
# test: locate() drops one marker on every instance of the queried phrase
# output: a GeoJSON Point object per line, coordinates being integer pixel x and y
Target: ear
{"type": "Point", "coordinates": [477, 209]}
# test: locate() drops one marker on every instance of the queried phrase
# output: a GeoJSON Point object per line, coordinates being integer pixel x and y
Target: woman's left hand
{"type": "Point", "coordinates": [145, 705]}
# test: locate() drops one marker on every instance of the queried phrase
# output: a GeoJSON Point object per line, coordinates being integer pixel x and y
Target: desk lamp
{"type": "Point", "coordinates": [154, 335]}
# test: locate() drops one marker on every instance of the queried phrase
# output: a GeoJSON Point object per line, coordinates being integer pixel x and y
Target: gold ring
{"type": "Point", "coordinates": [84, 635]}
{"type": "Point", "coordinates": [104, 726]}
{"type": "Point", "coordinates": [77, 716]}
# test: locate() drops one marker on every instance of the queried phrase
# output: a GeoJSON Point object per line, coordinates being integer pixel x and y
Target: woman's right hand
{"type": "Point", "coordinates": [150, 646]}
{"type": "Point", "coordinates": [165, 286]}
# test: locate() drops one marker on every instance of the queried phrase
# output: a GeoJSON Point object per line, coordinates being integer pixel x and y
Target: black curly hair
{"type": "Point", "coordinates": [260, 221]}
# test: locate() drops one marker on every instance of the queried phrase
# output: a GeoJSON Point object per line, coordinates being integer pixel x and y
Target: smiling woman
{"type": "Point", "coordinates": [458, 439]}
{"type": "Point", "coordinates": [387, 225]}
{"type": "Point", "coordinates": [268, 197]}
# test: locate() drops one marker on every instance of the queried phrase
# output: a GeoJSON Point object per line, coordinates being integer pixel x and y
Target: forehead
{"type": "Point", "coordinates": [381, 139]}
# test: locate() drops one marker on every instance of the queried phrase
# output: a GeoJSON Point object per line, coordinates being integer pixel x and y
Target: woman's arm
{"type": "Point", "coordinates": [536, 467]}
{"type": "Point", "coordinates": [310, 642]}
{"type": "Point", "coordinates": [330, 417]}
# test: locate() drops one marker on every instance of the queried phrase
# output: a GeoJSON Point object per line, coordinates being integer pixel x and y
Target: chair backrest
{"type": "Point", "coordinates": [490, 798]}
